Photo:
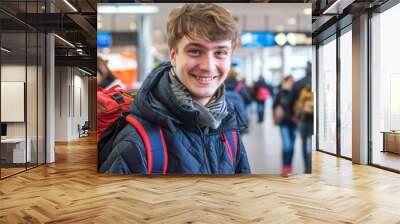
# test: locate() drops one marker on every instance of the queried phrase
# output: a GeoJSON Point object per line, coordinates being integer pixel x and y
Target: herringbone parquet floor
{"type": "Point", "coordinates": [70, 191]}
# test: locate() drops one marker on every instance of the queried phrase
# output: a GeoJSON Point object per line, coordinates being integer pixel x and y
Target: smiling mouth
{"type": "Point", "coordinates": [204, 78]}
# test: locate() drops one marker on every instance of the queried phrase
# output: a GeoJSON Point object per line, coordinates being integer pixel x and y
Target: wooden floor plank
{"type": "Point", "coordinates": [71, 191]}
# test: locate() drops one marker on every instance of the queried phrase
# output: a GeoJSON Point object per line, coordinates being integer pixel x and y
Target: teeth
{"type": "Point", "coordinates": [204, 78]}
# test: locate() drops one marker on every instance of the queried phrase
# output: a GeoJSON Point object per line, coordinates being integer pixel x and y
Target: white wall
{"type": "Point", "coordinates": [14, 73]}
{"type": "Point", "coordinates": [50, 95]}
{"type": "Point", "coordinates": [314, 89]}
{"type": "Point", "coordinates": [80, 96]}
{"type": "Point", "coordinates": [71, 94]}
{"type": "Point", "coordinates": [12, 101]}
{"type": "Point", "coordinates": [33, 126]}
{"type": "Point", "coordinates": [61, 83]}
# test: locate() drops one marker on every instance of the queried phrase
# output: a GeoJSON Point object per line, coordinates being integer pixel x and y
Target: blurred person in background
{"type": "Point", "coordinates": [235, 88]}
{"type": "Point", "coordinates": [304, 111]}
{"type": "Point", "coordinates": [261, 93]}
{"type": "Point", "coordinates": [233, 83]}
{"type": "Point", "coordinates": [284, 117]}
{"type": "Point", "coordinates": [233, 95]}
{"type": "Point", "coordinates": [104, 75]}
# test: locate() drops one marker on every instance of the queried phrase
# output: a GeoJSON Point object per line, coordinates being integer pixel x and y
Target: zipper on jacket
{"type": "Point", "coordinates": [205, 151]}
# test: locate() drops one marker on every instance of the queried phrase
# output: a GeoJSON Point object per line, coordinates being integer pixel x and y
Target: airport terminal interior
{"type": "Point", "coordinates": [48, 151]}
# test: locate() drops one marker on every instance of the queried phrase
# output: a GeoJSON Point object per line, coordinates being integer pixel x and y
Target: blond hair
{"type": "Point", "coordinates": [233, 74]}
{"type": "Point", "coordinates": [201, 20]}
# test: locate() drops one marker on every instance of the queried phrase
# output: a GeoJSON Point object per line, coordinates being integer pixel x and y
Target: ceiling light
{"type": "Point", "coordinates": [338, 6]}
{"type": "Point", "coordinates": [86, 72]}
{"type": "Point", "coordinates": [5, 49]}
{"type": "Point", "coordinates": [70, 5]}
{"type": "Point", "coordinates": [291, 38]}
{"type": "Point", "coordinates": [333, 6]}
{"type": "Point", "coordinates": [301, 38]}
{"type": "Point", "coordinates": [307, 11]}
{"type": "Point", "coordinates": [280, 39]}
{"type": "Point", "coordinates": [291, 21]}
{"type": "Point", "coordinates": [126, 9]}
{"type": "Point", "coordinates": [64, 40]}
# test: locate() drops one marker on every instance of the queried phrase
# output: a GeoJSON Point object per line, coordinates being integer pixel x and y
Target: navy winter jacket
{"type": "Point", "coordinates": [285, 100]}
{"type": "Point", "coordinates": [191, 149]}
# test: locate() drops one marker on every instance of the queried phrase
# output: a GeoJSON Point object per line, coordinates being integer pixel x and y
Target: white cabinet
{"type": "Point", "coordinates": [18, 149]}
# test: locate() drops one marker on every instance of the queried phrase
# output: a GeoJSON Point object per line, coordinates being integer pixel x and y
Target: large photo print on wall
{"type": "Point", "coordinates": [201, 88]}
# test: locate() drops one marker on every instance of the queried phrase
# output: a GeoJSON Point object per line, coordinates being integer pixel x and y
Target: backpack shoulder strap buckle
{"type": "Point", "coordinates": [118, 98]}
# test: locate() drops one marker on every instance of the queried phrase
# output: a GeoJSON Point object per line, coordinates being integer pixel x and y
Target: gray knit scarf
{"type": "Point", "coordinates": [211, 114]}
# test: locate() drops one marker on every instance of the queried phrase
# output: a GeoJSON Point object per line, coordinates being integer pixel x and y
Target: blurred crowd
{"type": "Point", "coordinates": [292, 110]}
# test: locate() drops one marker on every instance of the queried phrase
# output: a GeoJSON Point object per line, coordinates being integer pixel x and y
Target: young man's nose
{"type": "Point", "coordinates": [208, 63]}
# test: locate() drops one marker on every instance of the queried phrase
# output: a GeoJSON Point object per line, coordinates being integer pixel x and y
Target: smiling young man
{"type": "Point", "coordinates": [186, 99]}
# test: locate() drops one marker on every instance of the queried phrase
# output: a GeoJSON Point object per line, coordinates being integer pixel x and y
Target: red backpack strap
{"type": "Point", "coordinates": [154, 143]}
{"type": "Point", "coordinates": [231, 142]}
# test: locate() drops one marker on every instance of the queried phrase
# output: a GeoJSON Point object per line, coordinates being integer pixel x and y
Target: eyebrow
{"type": "Point", "coordinates": [204, 47]}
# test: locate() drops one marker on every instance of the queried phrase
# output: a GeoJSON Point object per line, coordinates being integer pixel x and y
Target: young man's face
{"type": "Point", "coordinates": [201, 65]}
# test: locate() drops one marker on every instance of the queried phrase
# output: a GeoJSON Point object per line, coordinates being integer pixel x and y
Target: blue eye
{"type": "Point", "coordinates": [221, 53]}
{"type": "Point", "coordinates": [194, 52]}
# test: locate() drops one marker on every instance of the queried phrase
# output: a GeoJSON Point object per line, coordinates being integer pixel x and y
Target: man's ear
{"type": "Point", "coordinates": [172, 55]}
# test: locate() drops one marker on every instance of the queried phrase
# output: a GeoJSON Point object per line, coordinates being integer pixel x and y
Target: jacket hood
{"type": "Point", "coordinates": [156, 103]}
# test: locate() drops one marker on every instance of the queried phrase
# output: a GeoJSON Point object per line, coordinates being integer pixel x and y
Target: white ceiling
{"type": "Point", "coordinates": [251, 16]}
{"type": "Point", "coordinates": [254, 16]}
